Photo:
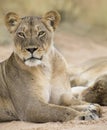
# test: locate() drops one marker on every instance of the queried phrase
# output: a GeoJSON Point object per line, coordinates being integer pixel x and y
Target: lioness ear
{"type": "Point", "coordinates": [53, 18]}
{"type": "Point", "coordinates": [12, 21]}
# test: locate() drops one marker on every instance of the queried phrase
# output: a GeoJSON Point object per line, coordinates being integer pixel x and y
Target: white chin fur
{"type": "Point", "coordinates": [32, 63]}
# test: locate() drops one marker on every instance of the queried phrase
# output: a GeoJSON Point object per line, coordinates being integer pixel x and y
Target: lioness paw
{"type": "Point", "coordinates": [88, 116]}
{"type": "Point", "coordinates": [93, 112]}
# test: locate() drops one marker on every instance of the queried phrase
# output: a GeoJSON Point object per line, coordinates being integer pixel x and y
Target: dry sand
{"type": "Point", "coordinates": [76, 50]}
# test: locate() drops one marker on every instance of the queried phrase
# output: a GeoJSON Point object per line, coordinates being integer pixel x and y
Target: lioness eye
{"type": "Point", "coordinates": [21, 34]}
{"type": "Point", "coordinates": [41, 33]}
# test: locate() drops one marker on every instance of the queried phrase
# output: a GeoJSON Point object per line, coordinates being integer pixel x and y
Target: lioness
{"type": "Point", "coordinates": [91, 81]}
{"type": "Point", "coordinates": [34, 81]}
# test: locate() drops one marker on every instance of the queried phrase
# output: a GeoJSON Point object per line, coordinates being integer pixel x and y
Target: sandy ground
{"type": "Point", "coordinates": [76, 50]}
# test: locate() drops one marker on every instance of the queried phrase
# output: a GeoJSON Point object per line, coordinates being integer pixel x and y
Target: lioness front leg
{"type": "Point", "coordinates": [49, 112]}
{"type": "Point", "coordinates": [7, 111]}
{"type": "Point", "coordinates": [90, 111]}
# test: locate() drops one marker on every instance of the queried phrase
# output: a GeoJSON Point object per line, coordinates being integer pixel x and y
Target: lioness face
{"type": "Point", "coordinates": [32, 35]}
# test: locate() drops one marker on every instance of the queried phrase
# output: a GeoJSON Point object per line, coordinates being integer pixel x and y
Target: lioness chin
{"type": "Point", "coordinates": [34, 81]}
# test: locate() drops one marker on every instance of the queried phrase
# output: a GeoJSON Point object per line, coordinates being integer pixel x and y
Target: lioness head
{"type": "Point", "coordinates": [32, 35]}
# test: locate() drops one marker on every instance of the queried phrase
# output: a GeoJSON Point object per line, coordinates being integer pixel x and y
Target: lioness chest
{"type": "Point", "coordinates": [25, 86]}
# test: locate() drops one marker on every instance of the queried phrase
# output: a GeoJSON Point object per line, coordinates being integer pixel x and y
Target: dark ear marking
{"type": "Point", "coordinates": [11, 22]}
{"type": "Point", "coordinates": [52, 23]}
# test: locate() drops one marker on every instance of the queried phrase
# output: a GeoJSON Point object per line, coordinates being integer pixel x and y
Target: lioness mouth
{"type": "Point", "coordinates": [34, 58]}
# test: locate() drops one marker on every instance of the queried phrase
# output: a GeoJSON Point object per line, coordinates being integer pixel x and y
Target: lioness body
{"type": "Point", "coordinates": [34, 81]}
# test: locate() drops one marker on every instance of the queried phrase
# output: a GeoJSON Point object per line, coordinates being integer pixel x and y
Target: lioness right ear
{"type": "Point", "coordinates": [12, 21]}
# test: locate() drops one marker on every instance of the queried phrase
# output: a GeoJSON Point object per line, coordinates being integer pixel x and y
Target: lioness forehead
{"type": "Point", "coordinates": [31, 20]}
{"type": "Point", "coordinates": [32, 23]}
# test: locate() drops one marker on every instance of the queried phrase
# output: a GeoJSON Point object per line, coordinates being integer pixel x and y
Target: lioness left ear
{"type": "Point", "coordinates": [12, 21]}
{"type": "Point", "coordinates": [53, 18]}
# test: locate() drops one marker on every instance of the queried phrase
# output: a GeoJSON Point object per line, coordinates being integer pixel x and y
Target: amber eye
{"type": "Point", "coordinates": [41, 33]}
{"type": "Point", "coordinates": [21, 34]}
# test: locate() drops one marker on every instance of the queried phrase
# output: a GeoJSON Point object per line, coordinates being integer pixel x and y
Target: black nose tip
{"type": "Point", "coordinates": [31, 50]}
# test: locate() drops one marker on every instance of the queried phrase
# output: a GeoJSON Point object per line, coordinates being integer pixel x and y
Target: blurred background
{"type": "Point", "coordinates": [81, 35]}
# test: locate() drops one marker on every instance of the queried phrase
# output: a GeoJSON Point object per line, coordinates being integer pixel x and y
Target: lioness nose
{"type": "Point", "coordinates": [31, 50]}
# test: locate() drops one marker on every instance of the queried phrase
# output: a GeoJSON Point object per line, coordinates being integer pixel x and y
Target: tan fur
{"type": "Point", "coordinates": [91, 77]}
{"type": "Point", "coordinates": [34, 81]}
